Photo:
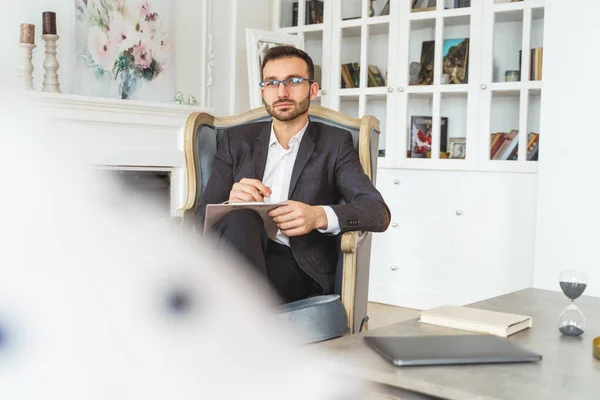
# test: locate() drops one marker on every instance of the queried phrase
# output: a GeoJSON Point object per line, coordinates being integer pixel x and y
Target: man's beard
{"type": "Point", "coordinates": [295, 110]}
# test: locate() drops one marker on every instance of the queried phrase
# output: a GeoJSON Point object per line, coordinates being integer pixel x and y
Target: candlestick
{"type": "Point", "coordinates": [51, 65]}
{"type": "Point", "coordinates": [26, 68]}
{"type": "Point", "coordinates": [49, 23]}
{"type": "Point", "coordinates": [27, 33]}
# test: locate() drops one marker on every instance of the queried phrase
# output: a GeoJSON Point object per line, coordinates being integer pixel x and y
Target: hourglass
{"type": "Point", "coordinates": [571, 321]}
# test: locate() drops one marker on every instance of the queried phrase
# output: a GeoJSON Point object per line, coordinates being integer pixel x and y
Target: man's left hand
{"type": "Point", "coordinates": [295, 218]}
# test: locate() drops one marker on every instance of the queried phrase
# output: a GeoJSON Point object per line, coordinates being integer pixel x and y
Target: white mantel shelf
{"type": "Point", "coordinates": [119, 134]}
{"type": "Point", "coordinates": [70, 106]}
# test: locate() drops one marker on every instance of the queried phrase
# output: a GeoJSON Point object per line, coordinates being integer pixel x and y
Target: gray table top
{"type": "Point", "coordinates": [568, 369]}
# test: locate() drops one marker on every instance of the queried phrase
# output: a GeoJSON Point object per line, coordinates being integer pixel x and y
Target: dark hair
{"type": "Point", "coordinates": [276, 53]}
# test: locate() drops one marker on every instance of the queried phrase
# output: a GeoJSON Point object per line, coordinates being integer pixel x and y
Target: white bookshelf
{"type": "Point", "coordinates": [497, 30]}
{"type": "Point", "coordinates": [462, 229]}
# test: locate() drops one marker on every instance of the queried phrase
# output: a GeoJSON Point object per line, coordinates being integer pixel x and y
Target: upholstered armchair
{"type": "Point", "coordinates": [203, 133]}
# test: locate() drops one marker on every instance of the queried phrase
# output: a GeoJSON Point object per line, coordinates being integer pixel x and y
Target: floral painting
{"type": "Point", "coordinates": [124, 49]}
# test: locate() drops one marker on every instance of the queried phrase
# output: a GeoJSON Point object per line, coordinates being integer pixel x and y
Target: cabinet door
{"type": "Point", "coordinates": [310, 19]}
{"type": "Point", "coordinates": [362, 60]}
{"type": "Point", "coordinates": [438, 53]}
{"type": "Point", "coordinates": [511, 85]}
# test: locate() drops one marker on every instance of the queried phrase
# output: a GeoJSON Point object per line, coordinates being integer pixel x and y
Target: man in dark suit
{"type": "Point", "coordinates": [310, 166]}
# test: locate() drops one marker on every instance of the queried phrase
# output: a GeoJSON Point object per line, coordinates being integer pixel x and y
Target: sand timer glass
{"type": "Point", "coordinates": [571, 321]}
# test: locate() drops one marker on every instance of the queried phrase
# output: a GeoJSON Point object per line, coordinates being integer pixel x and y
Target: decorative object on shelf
{"type": "Point", "coordinates": [26, 44]}
{"type": "Point", "coordinates": [512, 76]}
{"type": "Point", "coordinates": [51, 65]}
{"type": "Point", "coordinates": [456, 60]}
{"type": "Point", "coordinates": [371, 8]}
{"type": "Point", "coordinates": [458, 148]}
{"type": "Point", "coordinates": [258, 42]}
{"type": "Point", "coordinates": [192, 101]}
{"type": "Point", "coordinates": [49, 23]}
{"type": "Point", "coordinates": [413, 71]}
{"type": "Point", "coordinates": [179, 99]}
{"type": "Point", "coordinates": [124, 49]}
{"type": "Point", "coordinates": [596, 347]}
{"type": "Point", "coordinates": [386, 8]}
{"type": "Point", "coordinates": [571, 321]}
{"type": "Point", "coordinates": [421, 135]}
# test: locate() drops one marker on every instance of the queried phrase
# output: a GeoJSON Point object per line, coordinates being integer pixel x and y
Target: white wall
{"type": "Point", "coordinates": [230, 19]}
{"type": "Point", "coordinates": [569, 173]}
{"type": "Point", "coordinates": [189, 46]}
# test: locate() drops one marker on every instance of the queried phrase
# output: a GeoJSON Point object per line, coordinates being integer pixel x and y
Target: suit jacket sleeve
{"type": "Point", "coordinates": [364, 208]}
{"type": "Point", "coordinates": [220, 181]}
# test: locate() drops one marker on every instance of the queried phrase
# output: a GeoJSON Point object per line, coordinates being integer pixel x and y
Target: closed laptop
{"type": "Point", "coordinates": [449, 349]}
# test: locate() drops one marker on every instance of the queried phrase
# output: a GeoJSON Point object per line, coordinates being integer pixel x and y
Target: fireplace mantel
{"type": "Point", "coordinates": [120, 134]}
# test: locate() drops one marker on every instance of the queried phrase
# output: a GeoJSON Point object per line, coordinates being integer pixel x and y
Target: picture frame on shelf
{"type": "Point", "coordinates": [458, 148]}
{"type": "Point", "coordinates": [258, 42]}
{"type": "Point", "coordinates": [455, 64]}
{"type": "Point", "coordinates": [421, 135]}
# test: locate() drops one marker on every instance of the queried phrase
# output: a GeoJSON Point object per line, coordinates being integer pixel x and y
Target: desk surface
{"type": "Point", "coordinates": [568, 369]}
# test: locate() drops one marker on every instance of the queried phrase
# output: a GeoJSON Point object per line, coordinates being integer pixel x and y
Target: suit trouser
{"type": "Point", "coordinates": [244, 230]}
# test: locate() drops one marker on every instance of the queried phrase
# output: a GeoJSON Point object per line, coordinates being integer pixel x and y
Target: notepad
{"type": "Point", "coordinates": [476, 320]}
{"type": "Point", "coordinates": [214, 213]}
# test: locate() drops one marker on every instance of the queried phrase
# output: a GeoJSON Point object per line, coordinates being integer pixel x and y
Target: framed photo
{"type": "Point", "coordinates": [421, 135]}
{"type": "Point", "coordinates": [458, 148]}
{"type": "Point", "coordinates": [455, 62]}
{"type": "Point", "coordinates": [257, 44]}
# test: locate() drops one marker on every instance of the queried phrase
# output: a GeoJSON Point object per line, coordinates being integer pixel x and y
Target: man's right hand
{"type": "Point", "coordinates": [248, 190]}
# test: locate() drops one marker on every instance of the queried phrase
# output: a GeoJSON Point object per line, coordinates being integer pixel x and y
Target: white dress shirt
{"type": "Point", "coordinates": [278, 175]}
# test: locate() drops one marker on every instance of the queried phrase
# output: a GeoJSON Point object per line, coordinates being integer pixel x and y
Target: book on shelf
{"type": "Point", "coordinates": [351, 76]}
{"type": "Point", "coordinates": [535, 63]}
{"type": "Point", "coordinates": [423, 5]}
{"type": "Point", "coordinates": [476, 320]}
{"type": "Point", "coordinates": [421, 135]}
{"type": "Point", "coordinates": [505, 146]}
{"type": "Point", "coordinates": [462, 3]}
{"type": "Point", "coordinates": [313, 12]}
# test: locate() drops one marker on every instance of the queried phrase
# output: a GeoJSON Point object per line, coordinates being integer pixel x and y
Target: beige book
{"type": "Point", "coordinates": [476, 320]}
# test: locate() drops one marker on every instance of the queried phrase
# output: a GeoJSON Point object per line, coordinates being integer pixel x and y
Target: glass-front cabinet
{"type": "Point", "coordinates": [448, 79]}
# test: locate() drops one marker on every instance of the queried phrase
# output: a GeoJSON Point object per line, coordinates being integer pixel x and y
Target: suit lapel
{"type": "Point", "coordinates": [307, 147]}
{"type": "Point", "coordinates": [261, 149]}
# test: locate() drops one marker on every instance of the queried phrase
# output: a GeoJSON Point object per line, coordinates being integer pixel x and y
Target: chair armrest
{"type": "Point", "coordinates": [352, 240]}
{"type": "Point", "coordinates": [355, 276]}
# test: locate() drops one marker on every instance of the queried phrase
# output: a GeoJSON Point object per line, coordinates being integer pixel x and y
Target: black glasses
{"type": "Point", "coordinates": [289, 83]}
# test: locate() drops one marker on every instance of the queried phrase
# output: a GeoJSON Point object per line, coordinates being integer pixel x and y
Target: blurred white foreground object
{"type": "Point", "coordinates": [97, 303]}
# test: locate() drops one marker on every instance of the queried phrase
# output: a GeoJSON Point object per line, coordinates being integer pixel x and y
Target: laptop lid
{"type": "Point", "coordinates": [449, 349]}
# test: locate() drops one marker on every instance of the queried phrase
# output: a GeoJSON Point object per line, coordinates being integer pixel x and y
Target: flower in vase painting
{"type": "Point", "coordinates": [142, 56]}
{"type": "Point", "coordinates": [128, 44]}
